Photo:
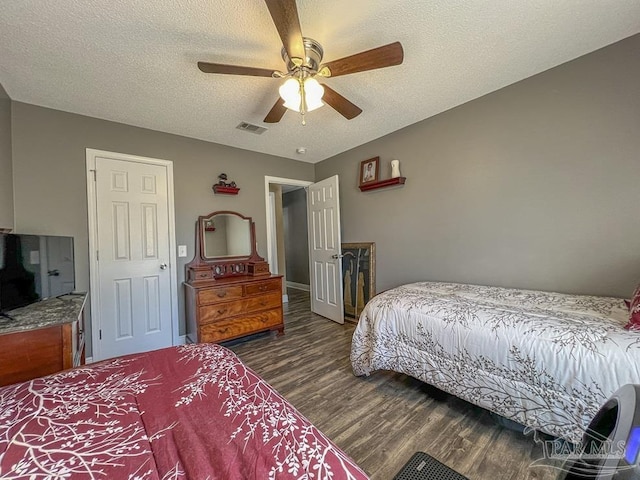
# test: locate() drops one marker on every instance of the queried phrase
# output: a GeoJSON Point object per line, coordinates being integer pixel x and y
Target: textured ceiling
{"type": "Point", "coordinates": [135, 61]}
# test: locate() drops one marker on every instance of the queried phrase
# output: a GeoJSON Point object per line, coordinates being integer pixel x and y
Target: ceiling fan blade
{"type": "Point", "coordinates": [234, 69]}
{"type": "Point", "coordinates": [340, 104]}
{"type": "Point", "coordinates": [285, 16]}
{"type": "Point", "coordinates": [276, 112]}
{"type": "Point", "coordinates": [385, 56]}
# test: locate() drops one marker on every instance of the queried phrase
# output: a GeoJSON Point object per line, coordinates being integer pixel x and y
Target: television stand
{"type": "Point", "coordinates": [42, 338]}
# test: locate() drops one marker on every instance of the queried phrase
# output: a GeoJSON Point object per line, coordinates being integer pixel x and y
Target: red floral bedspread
{"type": "Point", "coordinates": [194, 411]}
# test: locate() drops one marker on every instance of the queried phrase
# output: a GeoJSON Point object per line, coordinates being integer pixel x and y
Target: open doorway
{"type": "Point", "coordinates": [287, 236]}
{"type": "Point", "coordinates": [323, 241]}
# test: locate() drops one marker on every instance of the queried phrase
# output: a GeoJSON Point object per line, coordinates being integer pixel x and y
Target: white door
{"type": "Point", "coordinates": [133, 257]}
{"type": "Point", "coordinates": [325, 260]}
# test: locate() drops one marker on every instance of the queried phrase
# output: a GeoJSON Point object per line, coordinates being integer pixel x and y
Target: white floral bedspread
{"type": "Point", "coordinates": [545, 360]}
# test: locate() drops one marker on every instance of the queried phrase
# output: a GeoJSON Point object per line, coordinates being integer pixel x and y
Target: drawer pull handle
{"type": "Point", "coordinates": [222, 294]}
{"type": "Point", "coordinates": [202, 274]}
{"type": "Point", "coordinates": [263, 303]}
{"type": "Point", "coordinates": [220, 312]}
{"type": "Point", "coordinates": [263, 288]}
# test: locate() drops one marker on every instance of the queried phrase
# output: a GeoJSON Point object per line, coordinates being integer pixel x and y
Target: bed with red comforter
{"type": "Point", "coordinates": [194, 411]}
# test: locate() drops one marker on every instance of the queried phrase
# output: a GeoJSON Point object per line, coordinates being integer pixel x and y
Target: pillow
{"type": "Point", "coordinates": [634, 311]}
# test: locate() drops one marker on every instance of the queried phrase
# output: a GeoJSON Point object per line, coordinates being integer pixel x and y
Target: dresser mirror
{"type": "Point", "coordinates": [225, 247]}
{"type": "Point", "coordinates": [226, 235]}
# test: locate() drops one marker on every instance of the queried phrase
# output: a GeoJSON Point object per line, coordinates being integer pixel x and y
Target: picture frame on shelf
{"type": "Point", "coordinates": [369, 170]}
{"type": "Point", "coordinates": [358, 277]}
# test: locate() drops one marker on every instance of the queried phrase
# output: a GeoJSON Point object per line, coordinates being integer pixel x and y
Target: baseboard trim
{"type": "Point", "coordinates": [285, 298]}
{"type": "Point", "coordinates": [88, 360]}
{"type": "Point", "coordinates": [298, 286]}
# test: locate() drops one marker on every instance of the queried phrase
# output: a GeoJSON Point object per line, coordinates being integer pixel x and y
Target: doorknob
{"type": "Point", "coordinates": [163, 266]}
{"type": "Point", "coordinates": [337, 256]}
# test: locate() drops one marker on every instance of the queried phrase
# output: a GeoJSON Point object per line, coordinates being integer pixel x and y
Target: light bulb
{"type": "Point", "coordinates": [290, 93]}
{"type": "Point", "coordinates": [313, 93]}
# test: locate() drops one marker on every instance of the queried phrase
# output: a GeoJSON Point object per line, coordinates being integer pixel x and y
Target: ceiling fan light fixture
{"type": "Point", "coordinates": [313, 93]}
{"type": "Point", "coordinates": [294, 92]}
{"type": "Point", "coordinates": [293, 105]}
{"type": "Point", "coordinates": [290, 93]}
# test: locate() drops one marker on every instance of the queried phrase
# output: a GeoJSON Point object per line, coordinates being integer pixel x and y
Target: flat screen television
{"type": "Point", "coordinates": [33, 268]}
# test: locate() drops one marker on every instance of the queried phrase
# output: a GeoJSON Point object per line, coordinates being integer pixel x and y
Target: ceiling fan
{"type": "Point", "coordinates": [301, 91]}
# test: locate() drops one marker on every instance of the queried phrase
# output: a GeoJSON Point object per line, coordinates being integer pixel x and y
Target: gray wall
{"type": "Point", "coordinates": [296, 242]}
{"type": "Point", "coordinates": [50, 179]}
{"type": "Point", "coordinates": [535, 186]}
{"type": "Point", "coordinates": [6, 175]}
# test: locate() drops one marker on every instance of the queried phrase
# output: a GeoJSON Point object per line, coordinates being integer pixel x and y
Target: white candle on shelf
{"type": "Point", "coordinates": [395, 168]}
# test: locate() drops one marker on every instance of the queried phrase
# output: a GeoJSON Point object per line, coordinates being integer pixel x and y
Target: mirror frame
{"type": "Point", "coordinates": [203, 268]}
{"type": "Point", "coordinates": [203, 231]}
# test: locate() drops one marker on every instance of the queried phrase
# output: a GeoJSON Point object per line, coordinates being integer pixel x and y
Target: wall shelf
{"type": "Point", "coordinates": [223, 190]}
{"type": "Point", "coordinates": [383, 183]}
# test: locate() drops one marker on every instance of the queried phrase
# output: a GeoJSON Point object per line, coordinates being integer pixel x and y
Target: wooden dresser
{"type": "Point", "coordinates": [42, 338]}
{"type": "Point", "coordinates": [234, 307]}
{"type": "Point", "coordinates": [229, 290]}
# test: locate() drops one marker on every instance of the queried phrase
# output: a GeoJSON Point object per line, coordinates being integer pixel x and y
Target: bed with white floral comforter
{"type": "Point", "coordinates": [545, 360]}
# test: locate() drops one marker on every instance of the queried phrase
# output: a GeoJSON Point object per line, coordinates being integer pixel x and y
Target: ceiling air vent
{"type": "Point", "coordinates": [249, 127]}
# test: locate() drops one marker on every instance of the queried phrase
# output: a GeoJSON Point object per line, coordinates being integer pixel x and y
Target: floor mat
{"type": "Point", "coordinates": [424, 467]}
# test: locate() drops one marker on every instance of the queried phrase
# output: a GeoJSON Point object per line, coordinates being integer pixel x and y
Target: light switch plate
{"type": "Point", "coordinates": [182, 250]}
{"type": "Point", "coordinates": [34, 257]}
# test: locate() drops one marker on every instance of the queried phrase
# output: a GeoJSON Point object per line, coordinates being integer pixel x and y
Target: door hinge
{"type": "Point", "coordinates": [97, 255]}
{"type": "Point", "coordinates": [94, 174]}
{"type": "Point", "coordinates": [100, 334]}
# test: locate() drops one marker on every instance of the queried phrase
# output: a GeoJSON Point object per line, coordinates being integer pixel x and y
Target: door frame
{"type": "Point", "coordinates": [94, 270]}
{"type": "Point", "coordinates": [278, 181]}
{"type": "Point", "coordinates": [271, 220]}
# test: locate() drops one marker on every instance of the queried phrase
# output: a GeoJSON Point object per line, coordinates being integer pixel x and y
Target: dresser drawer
{"type": "Point", "coordinates": [263, 302]}
{"type": "Point", "coordinates": [225, 309]}
{"type": "Point", "coordinates": [223, 330]}
{"type": "Point", "coordinates": [202, 275]}
{"type": "Point", "coordinates": [262, 287]}
{"type": "Point", "coordinates": [210, 313]}
{"type": "Point", "coordinates": [219, 294]}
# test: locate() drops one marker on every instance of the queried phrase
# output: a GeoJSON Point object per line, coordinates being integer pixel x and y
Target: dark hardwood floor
{"type": "Point", "coordinates": [381, 420]}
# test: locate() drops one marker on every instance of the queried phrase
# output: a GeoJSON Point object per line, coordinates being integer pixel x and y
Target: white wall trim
{"type": "Point", "coordinates": [94, 273]}
{"type": "Point", "coordinates": [272, 254]}
{"type": "Point", "coordinates": [299, 286]}
{"type": "Point", "coordinates": [278, 181]}
{"type": "Point", "coordinates": [285, 298]}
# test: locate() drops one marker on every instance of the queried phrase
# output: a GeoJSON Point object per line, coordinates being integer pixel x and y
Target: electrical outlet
{"type": "Point", "coordinates": [182, 250]}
